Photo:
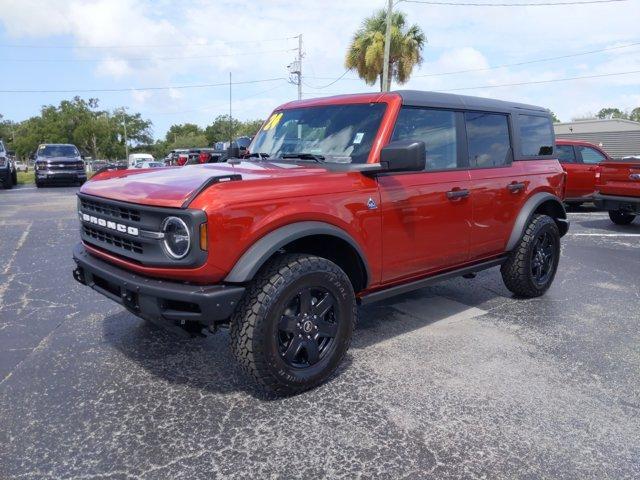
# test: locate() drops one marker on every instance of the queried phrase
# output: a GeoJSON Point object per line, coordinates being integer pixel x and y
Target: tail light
{"type": "Point", "coordinates": [203, 157]}
{"type": "Point", "coordinates": [182, 159]}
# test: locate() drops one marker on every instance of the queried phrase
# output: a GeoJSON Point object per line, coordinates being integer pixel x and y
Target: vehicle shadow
{"type": "Point", "coordinates": [207, 363]}
{"type": "Point", "coordinates": [606, 225]}
{"type": "Point", "coordinates": [203, 363]}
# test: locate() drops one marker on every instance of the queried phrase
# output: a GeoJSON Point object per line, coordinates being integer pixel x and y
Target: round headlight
{"type": "Point", "coordinates": [177, 239]}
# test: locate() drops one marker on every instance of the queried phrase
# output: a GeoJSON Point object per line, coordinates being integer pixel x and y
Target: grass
{"type": "Point", "coordinates": [25, 178]}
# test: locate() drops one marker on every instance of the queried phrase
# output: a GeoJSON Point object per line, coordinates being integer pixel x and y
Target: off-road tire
{"type": "Point", "coordinates": [516, 271]}
{"type": "Point", "coordinates": [14, 178]}
{"type": "Point", "coordinates": [254, 324]}
{"type": "Point", "coordinates": [621, 218]}
{"type": "Point", "coordinates": [7, 181]}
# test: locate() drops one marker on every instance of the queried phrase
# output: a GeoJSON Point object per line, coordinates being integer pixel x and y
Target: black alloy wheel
{"type": "Point", "coordinates": [307, 327]}
{"type": "Point", "coordinates": [543, 258]}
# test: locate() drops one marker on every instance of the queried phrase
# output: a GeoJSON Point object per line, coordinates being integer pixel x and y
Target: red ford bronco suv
{"type": "Point", "coordinates": [618, 190]}
{"type": "Point", "coordinates": [341, 201]}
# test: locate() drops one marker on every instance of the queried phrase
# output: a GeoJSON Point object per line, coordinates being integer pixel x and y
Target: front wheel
{"type": "Point", "coordinates": [532, 265]}
{"type": "Point", "coordinates": [621, 218]}
{"type": "Point", "coordinates": [294, 325]}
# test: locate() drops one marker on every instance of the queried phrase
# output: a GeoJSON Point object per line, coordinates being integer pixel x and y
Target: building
{"type": "Point", "coordinates": [618, 137]}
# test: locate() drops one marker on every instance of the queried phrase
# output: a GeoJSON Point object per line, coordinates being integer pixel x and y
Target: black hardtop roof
{"type": "Point", "coordinates": [448, 100]}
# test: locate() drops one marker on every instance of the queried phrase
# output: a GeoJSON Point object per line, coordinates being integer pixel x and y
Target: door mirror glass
{"type": "Point", "coordinates": [404, 156]}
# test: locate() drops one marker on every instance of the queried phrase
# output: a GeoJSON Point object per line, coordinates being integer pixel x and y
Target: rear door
{"type": "Point", "coordinates": [498, 184]}
{"type": "Point", "coordinates": [427, 215]}
{"type": "Point", "coordinates": [568, 159]}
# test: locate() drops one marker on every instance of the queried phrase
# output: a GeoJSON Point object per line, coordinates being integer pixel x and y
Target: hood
{"type": "Point", "coordinates": [172, 187]}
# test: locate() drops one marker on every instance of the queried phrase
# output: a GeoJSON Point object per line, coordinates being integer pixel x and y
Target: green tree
{"type": "Point", "coordinates": [611, 112]}
{"type": "Point", "coordinates": [635, 114]}
{"type": "Point", "coordinates": [366, 51]}
{"type": "Point", "coordinates": [182, 130]}
{"type": "Point", "coordinates": [190, 140]}
{"type": "Point", "coordinates": [554, 118]}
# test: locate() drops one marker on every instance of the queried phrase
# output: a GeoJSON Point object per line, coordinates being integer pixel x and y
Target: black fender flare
{"type": "Point", "coordinates": [527, 211]}
{"type": "Point", "coordinates": [264, 248]}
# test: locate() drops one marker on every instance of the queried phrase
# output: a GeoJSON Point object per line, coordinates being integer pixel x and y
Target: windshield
{"type": "Point", "coordinates": [333, 133]}
{"type": "Point", "coordinates": [58, 151]}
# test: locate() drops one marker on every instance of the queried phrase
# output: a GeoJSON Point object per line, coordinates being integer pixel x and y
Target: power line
{"type": "Point", "coordinates": [173, 45]}
{"type": "Point", "coordinates": [138, 89]}
{"type": "Point", "coordinates": [536, 82]}
{"type": "Point", "coordinates": [328, 84]}
{"type": "Point", "coordinates": [528, 62]}
{"type": "Point", "coordinates": [542, 4]}
{"type": "Point", "coordinates": [140, 59]}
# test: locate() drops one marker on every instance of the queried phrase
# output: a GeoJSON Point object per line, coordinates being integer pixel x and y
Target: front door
{"type": "Point", "coordinates": [426, 216]}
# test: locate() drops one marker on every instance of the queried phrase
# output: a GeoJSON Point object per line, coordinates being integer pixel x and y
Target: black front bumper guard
{"type": "Point", "coordinates": [165, 303]}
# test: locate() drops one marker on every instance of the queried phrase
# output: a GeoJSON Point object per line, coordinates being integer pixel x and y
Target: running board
{"type": "Point", "coordinates": [426, 282]}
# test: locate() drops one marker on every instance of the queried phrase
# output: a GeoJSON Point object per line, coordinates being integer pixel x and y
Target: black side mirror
{"type": "Point", "coordinates": [404, 156]}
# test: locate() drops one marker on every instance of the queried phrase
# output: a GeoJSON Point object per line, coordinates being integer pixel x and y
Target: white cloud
{"type": "Point", "coordinates": [217, 37]}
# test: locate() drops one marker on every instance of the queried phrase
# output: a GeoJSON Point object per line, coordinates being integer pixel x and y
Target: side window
{"type": "Point", "coordinates": [591, 155]}
{"type": "Point", "coordinates": [536, 135]}
{"type": "Point", "coordinates": [565, 154]}
{"type": "Point", "coordinates": [436, 128]}
{"type": "Point", "coordinates": [1, 147]}
{"type": "Point", "coordinates": [488, 139]}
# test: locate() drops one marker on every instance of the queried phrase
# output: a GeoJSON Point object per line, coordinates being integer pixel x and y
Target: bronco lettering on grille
{"type": "Point", "coordinates": [118, 227]}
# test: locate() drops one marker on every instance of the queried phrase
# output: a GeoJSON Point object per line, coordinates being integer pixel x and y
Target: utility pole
{"type": "Point", "coordinates": [126, 142]}
{"type": "Point", "coordinates": [230, 114]}
{"type": "Point", "coordinates": [387, 48]}
{"type": "Point", "coordinates": [300, 67]}
{"type": "Point", "coordinates": [295, 69]}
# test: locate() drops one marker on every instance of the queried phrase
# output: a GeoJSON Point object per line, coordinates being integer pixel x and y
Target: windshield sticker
{"type": "Point", "coordinates": [358, 138]}
{"type": "Point", "coordinates": [272, 122]}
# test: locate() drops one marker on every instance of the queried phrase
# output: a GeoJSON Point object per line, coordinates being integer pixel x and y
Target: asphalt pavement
{"type": "Point", "coordinates": [455, 381]}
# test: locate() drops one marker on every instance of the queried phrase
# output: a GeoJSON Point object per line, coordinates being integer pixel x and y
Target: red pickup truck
{"type": "Point", "coordinates": [341, 201]}
{"type": "Point", "coordinates": [618, 190]}
{"type": "Point", "coordinates": [580, 160]}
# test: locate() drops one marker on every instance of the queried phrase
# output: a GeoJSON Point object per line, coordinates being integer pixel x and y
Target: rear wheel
{"type": "Point", "coordinates": [532, 265]}
{"type": "Point", "coordinates": [14, 178]}
{"type": "Point", "coordinates": [294, 325]}
{"type": "Point", "coordinates": [621, 218]}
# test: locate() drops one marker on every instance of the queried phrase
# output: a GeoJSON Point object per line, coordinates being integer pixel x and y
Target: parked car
{"type": "Point", "coordinates": [21, 167]}
{"type": "Point", "coordinates": [349, 200]}
{"type": "Point", "coordinates": [580, 160]}
{"type": "Point", "coordinates": [205, 155]}
{"type": "Point", "coordinates": [148, 164]}
{"type": "Point", "coordinates": [136, 158]}
{"type": "Point", "coordinates": [618, 190]}
{"type": "Point", "coordinates": [8, 172]}
{"type": "Point", "coordinates": [57, 163]}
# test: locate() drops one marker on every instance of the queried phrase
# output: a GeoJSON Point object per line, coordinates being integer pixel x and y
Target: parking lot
{"type": "Point", "coordinates": [455, 381]}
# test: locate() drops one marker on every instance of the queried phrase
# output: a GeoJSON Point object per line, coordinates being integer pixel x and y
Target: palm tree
{"type": "Point", "coordinates": [366, 52]}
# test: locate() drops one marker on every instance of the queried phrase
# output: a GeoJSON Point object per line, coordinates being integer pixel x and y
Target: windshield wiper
{"type": "Point", "coordinates": [304, 156]}
{"type": "Point", "coordinates": [258, 155]}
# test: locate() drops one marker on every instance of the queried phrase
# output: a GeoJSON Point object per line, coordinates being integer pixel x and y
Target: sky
{"type": "Point", "coordinates": [126, 44]}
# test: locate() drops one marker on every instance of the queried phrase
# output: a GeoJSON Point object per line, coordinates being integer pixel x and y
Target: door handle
{"type": "Point", "coordinates": [457, 193]}
{"type": "Point", "coordinates": [516, 187]}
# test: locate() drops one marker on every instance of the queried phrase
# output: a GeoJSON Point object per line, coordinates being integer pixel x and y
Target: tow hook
{"type": "Point", "coordinates": [79, 276]}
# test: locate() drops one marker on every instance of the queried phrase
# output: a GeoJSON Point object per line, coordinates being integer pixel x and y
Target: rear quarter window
{"type": "Point", "coordinates": [536, 135]}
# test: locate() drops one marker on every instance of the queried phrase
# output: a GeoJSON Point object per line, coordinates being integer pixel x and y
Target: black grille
{"type": "Point", "coordinates": [66, 166]}
{"type": "Point", "coordinates": [111, 239]}
{"type": "Point", "coordinates": [110, 210]}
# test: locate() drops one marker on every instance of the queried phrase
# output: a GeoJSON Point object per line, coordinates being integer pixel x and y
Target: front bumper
{"type": "Point", "coordinates": [61, 175]}
{"type": "Point", "coordinates": [617, 203]}
{"type": "Point", "coordinates": [166, 303]}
